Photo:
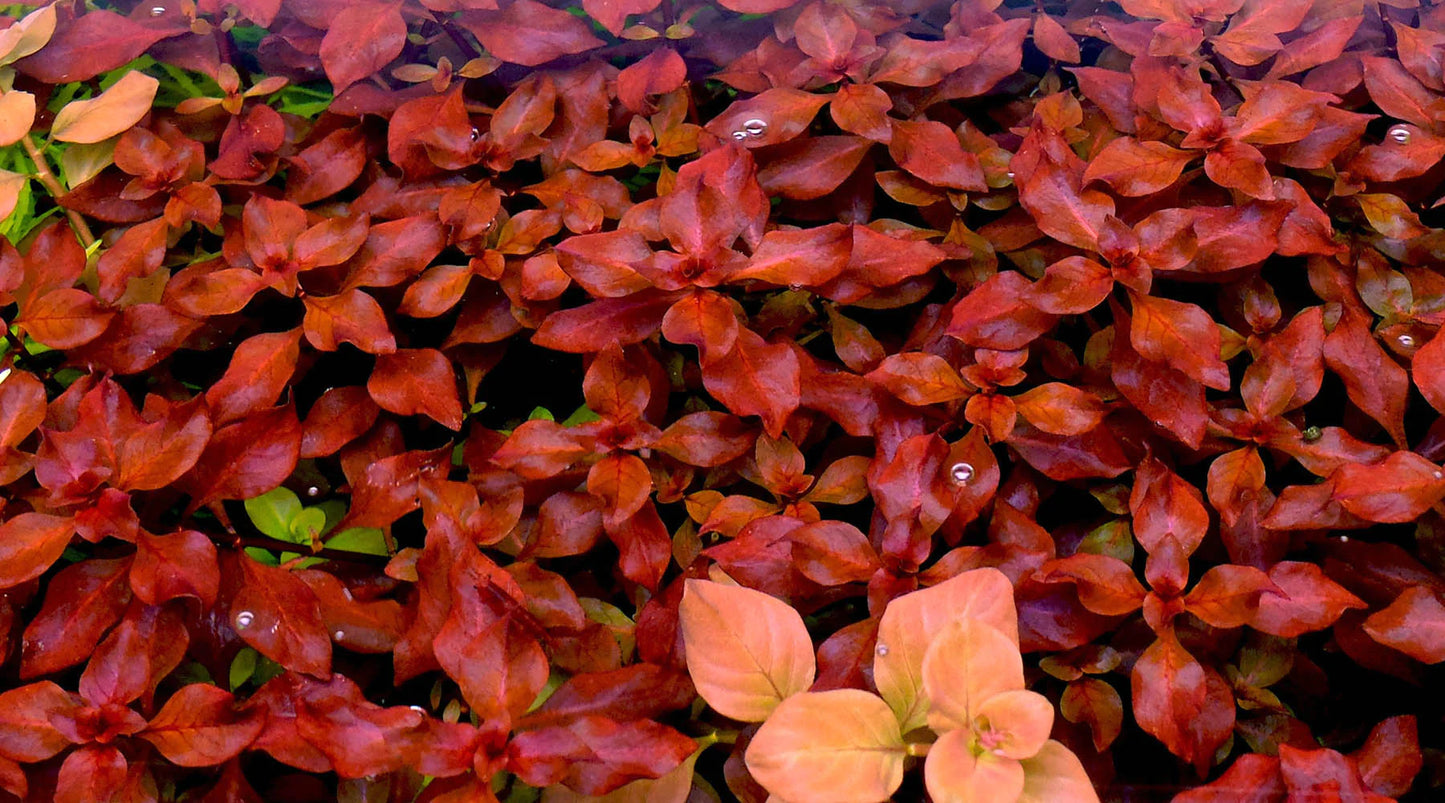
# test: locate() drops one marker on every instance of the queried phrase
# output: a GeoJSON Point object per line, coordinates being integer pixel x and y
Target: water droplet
{"type": "Point", "coordinates": [1010, 174]}
{"type": "Point", "coordinates": [1440, 475]}
{"type": "Point", "coordinates": [1400, 134]}
{"type": "Point", "coordinates": [1344, 539]}
{"type": "Point", "coordinates": [740, 135]}
{"type": "Point", "coordinates": [476, 135]}
{"type": "Point", "coordinates": [312, 490]}
{"type": "Point", "coordinates": [245, 618]}
{"type": "Point", "coordinates": [156, 11]}
{"type": "Point", "coordinates": [961, 473]}
{"type": "Point", "coordinates": [1405, 341]}
{"type": "Point", "coordinates": [881, 649]}
{"type": "Point", "coordinates": [755, 127]}
{"type": "Point", "coordinates": [339, 635]}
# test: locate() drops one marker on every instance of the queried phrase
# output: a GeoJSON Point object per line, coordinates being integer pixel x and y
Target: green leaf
{"type": "Point", "coordinates": [582, 415]}
{"type": "Point", "coordinates": [367, 540]}
{"type": "Point", "coordinates": [272, 512]}
{"type": "Point", "coordinates": [542, 413]}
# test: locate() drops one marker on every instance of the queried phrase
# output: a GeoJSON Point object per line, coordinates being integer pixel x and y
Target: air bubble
{"type": "Point", "coordinates": [1440, 475]}
{"type": "Point", "coordinates": [1010, 174]}
{"type": "Point", "coordinates": [156, 11]}
{"type": "Point", "coordinates": [339, 635]}
{"type": "Point", "coordinates": [1406, 341]}
{"type": "Point", "coordinates": [418, 709]}
{"type": "Point", "coordinates": [245, 618]}
{"type": "Point", "coordinates": [740, 135]}
{"type": "Point", "coordinates": [755, 127]}
{"type": "Point", "coordinates": [1344, 539]}
{"type": "Point", "coordinates": [1400, 134]}
{"type": "Point", "coordinates": [476, 135]}
{"type": "Point", "coordinates": [961, 473]}
{"type": "Point", "coordinates": [881, 649]}
{"type": "Point", "coordinates": [312, 490]}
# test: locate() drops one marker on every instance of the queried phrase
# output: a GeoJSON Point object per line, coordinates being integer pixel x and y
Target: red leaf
{"type": "Point", "coordinates": [705, 319]}
{"type": "Point", "coordinates": [862, 109]}
{"type": "Point", "coordinates": [96, 42]}
{"type": "Point", "coordinates": [639, 691]}
{"type": "Point", "coordinates": [777, 115]}
{"type": "Point", "coordinates": [340, 416]}
{"type": "Point", "coordinates": [756, 378]}
{"type": "Point", "coordinates": [1398, 489]}
{"type": "Point", "coordinates": [1318, 774]}
{"type": "Point", "coordinates": [930, 151]}
{"type": "Point", "coordinates": [358, 737]}
{"type": "Point", "coordinates": [327, 167]}
{"type": "Point", "coordinates": [275, 612]}
{"type": "Point", "coordinates": [348, 317]}
{"type": "Point", "coordinates": [247, 458]}
{"type": "Point", "coordinates": [997, 315]}
{"type": "Point", "coordinates": [361, 40]}
{"type": "Point", "coordinates": [1169, 521]}
{"type": "Point", "coordinates": [1252, 778]}
{"type": "Point", "coordinates": [1057, 44]}
{"type": "Point", "coordinates": [606, 264]}
{"type": "Point", "coordinates": [645, 547]}
{"type": "Point", "coordinates": [1227, 596]}
{"type": "Point", "coordinates": [171, 566]}
{"type": "Point", "coordinates": [1181, 335]}
{"type": "Point", "coordinates": [623, 484]}
{"type": "Point", "coordinates": [417, 382]}
{"type": "Point", "coordinates": [1106, 585]}
{"type": "Point", "coordinates": [659, 72]}
{"type": "Point", "coordinates": [65, 318]}
{"type": "Point", "coordinates": [594, 755]}
{"type": "Point", "coordinates": [94, 772]}
{"type": "Point", "coordinates": [1306, 601]}
{"type": "Point", "coordinates": [259, 372]}
{"type": "Point", "coordinates": [27, 717]}
{"type": "Point", "coordinates": [1390, 758]}
{"type": "Point", "coordinates": [1052, 195]}
{"type": "Point", "coordinates": [529, 33]}
{"type": "Point", "coordinates": [1136, 168]}
{"type": "Point", "coordinates": [1398, 94]}
{"type": "Point", "coordinates": [1070, 286]}
{"type": "Point", "coordinates": [920, 378]}
{"type": "Point", "coordinates": [806, 257]}
{"type": "Point", "coordinates": [832, 553]}
{"type": "Point", "coordinates": [1184, 704]}
{"type": "Point", "coordinates": [706, 439]}
{"type": "Point", "coordinates": [199, 727]}
{"type": "Point", "coordinates": [1375, 382]}
{"type": "Point", "coordinates": [592, 327]}
{"type": "Point", "coordinates": [1093, 702]}
{"type": "Point", "coordinates": [1060, 409]}
{"type": "Point", "coordinates": [1413, 624]}
{"type": "Point", "coordinates": [29, 544]}
{"type": "Point", "coordinates": [83, 601]}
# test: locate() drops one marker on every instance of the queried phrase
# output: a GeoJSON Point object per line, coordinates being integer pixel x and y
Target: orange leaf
{"type": "Point", "coordinates": [1019, 722]}
{"type": "Point", "coordinates": [107, 114]}
{"type": "Point", "coordinates": [968, 663]}
{"type": "Point", "coordinates": [910, 622]}
{"type": "Point", "coordinates": [844, 741]}
{"type": "Point", "coordinates": [954, 773]}
{"type": "Point", "coordinates": [1092, 701]}
{"type": "Point", "coordinates": [1181, 335]}
{"type": "Point", "coordinates": [1136, 168]}
{"type": "Point", "coordinates": [746, 651]}
{"type": "Point", "coordinates": [919, 378]}
{"type": "Point", "coordinates": [1056, 776]}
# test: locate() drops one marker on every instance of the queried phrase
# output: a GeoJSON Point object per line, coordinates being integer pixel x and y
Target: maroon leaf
{"type": "Point", "coordinates": [529, 33]}
{"type": "Point", "coordinates": [81, 604]}
{"type": "Point", "coordinates": [259, 372]}
{"type": "Point", "coordinates": [594, 755]}
{"type": "Point", "coordinates": [247, 458]}
{"type": "Point", "coordinates": [361, 39]}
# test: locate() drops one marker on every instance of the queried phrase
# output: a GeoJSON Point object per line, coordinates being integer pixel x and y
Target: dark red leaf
{"type": "Point", "coordinates": [361, 40]}
{"type": "Point", "coordinates": [594, 755]}
{"type": "Point", "coordinates": [247, 458]}
{"type": "Point", "coordinates": [83, 601]}
{"type": "Point", "coordinates": [417, 382]}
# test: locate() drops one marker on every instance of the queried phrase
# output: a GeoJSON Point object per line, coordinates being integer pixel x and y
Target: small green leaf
{"type": "Point", "coordinates": [542, 413]}
{"type": "Point", "coordinates": [243, 666]}
{"type": "Point", "coordinates": [582, 415]}
{"type": "Point", "coordinates": [272, 512]}
{"type": "Point", "coordinates": [307, 526]}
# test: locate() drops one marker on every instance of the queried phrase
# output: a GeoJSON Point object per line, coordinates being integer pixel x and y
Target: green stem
{"type": "Point", "coordinates": [51, 184]}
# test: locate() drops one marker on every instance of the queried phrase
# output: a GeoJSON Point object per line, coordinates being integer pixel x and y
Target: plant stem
{"type": "Point", "coordinates": [918, 749]}
{"type": "Point", "coordinates": [51, 184]}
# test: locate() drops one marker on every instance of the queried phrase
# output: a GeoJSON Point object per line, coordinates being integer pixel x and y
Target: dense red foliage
{"type": "Point", "coordinates": [1136, 302]}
